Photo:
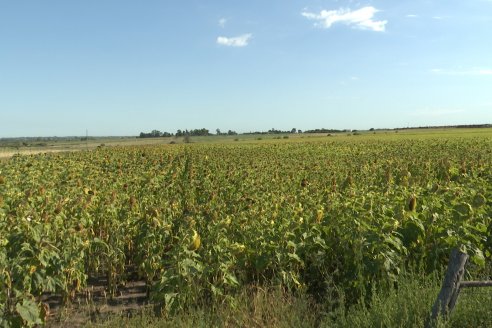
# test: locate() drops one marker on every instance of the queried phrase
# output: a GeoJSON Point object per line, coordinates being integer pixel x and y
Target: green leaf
{"type": "Point", "coordinates": [29, 312]}
{"type": "Point", "coordinates": [230, 279]}
{"type": "Point", "coordinates": [169, 301]}
{"type": "Point", "coordinates": [291, 244]}
{"type": "Point", "coordinates": [478, 258]}
{"type": "Point", "coordinates": [295, 257]}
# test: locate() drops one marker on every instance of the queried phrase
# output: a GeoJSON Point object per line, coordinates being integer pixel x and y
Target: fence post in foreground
{"type": "Point", "coordinates": [450, 289]}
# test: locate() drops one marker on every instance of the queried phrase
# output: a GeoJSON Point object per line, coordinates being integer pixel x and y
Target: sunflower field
{"type": "Point", "coordinates": [199, 221]}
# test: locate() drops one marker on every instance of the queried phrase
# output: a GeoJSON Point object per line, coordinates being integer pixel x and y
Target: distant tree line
{"type": "Point", "coordinates": [463, 126]}
{"type": "Point", "coordinates": [155, 134]}
{"type": "Point", "coordinates": [205, 132]}
{"type": "Point", "coordinates": [183, 133]}
{"type": "Point", "coordinates": [193, 133]}
{"type": "Point", "coordinates": [228, 133]}
{"type": "Point", "coordinates": [325, 131]}
{"type": "Point", "coordinates": [275, 131]}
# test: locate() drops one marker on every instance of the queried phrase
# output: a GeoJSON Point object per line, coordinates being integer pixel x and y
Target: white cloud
{"type": "Point", "coordinates": [466, 72]}
{"type": "Point", "coordinates": [238, 41]}
{"type": "Point", "coordinates": [412, 16]}
{"type": "Point", "coordinates": [222, 22]}
{"type": "Point", "coordinates": [361, 18]}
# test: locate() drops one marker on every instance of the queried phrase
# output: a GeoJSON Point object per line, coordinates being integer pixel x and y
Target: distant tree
{"type": "Point", "coordinates": [156, 133]}
{"type": "Point", "coordinates": [231, 133]}
{"type": "Point", "coordinates": [194, 132]}
{"type": "Point", "coordinates": [275, 131]}
{"type": "Point", "coordinates": [294, 130]}
{"type": "Point", "coordinates": [325, 131]}
{"type": "Point", "coordinates": [145, 135]}
{"type": "Point", "coordinates": [218, 132]}
{"type": "Point", "coordinates": [299, 131]}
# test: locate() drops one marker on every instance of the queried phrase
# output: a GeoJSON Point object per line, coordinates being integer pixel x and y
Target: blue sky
{"type": "Point", "coordinates": [119, 67]}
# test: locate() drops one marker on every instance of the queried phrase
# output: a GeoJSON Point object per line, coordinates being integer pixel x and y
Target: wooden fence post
{"type": "Point", "coordinates": [450, 289]}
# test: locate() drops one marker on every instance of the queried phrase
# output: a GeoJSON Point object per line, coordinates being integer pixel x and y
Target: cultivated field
{"type": "Point", "coordinates": [328, 217]}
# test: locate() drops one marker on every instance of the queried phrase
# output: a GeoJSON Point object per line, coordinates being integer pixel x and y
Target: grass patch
{"type": "Point", "coordinates": [407, 304]}
{"type": "Point", "coordinates": [253, 307]}
{"type": "Point", "coordinates": [473, 308]}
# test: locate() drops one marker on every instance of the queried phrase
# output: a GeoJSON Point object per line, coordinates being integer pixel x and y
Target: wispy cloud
{"type": "Point", "coordinates": [222, 22]}
{"type": "Point", "coordinates": [465, 72]}
{"type": "Point", "coordinates": [412, 16]}
{"type": "Point", "coordinates": [484, 72]}
{"type": "Point", "coordinates": [238, 41]}
{"type": "Point", "coordinates": [361, 18]}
